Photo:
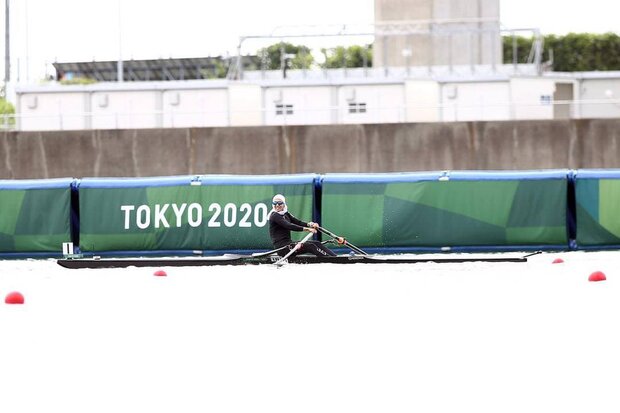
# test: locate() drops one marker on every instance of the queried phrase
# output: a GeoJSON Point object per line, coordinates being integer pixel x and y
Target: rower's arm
{"type": "Point", "coordinates": [291, 226]}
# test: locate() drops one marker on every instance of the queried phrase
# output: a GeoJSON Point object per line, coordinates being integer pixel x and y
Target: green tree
{"type": "Point", "coordinates": [271, 56]}
{"type": "Point", "coordinates": [352, 56]}
{"type": "Point", "coordinates": [218, 70]}
{"type": "Point", "coordinates": [7, 112]}
{"type": "Point", "coordinates": [572, 52]}
{"type": "Point", "coordinates": [523, 47]}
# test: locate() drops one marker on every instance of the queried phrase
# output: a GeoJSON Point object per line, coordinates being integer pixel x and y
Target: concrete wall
{"type": "Point", "coordinates": [319, 148]}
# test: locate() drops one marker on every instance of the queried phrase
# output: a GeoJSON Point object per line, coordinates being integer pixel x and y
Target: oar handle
{"type": "Point", "coordinates": [347, 243]}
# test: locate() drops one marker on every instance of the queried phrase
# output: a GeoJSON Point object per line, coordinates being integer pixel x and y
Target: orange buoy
{"type": "Point", "coordinates": [597, 276]}
{"type": "Point", "coordinates": [14, 297]}
{"type": "Point", "coordinates": [160, 273]}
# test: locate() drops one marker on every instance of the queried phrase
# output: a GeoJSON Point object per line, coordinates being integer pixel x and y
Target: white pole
{"type": "Point", "coordinates": [27, 44]}
{"type": "Point", "coordinates": [119, 65]}
{"type": "Point", "coordinates": [7, 45]}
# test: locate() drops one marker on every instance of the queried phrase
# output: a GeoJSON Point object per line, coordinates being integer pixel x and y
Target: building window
{"type": "Point", "coordinates": [356, 107]}
{"type": "Point", "coordinates": [282, 109]}
{"type": "Point", "coordinates": [545, 99]}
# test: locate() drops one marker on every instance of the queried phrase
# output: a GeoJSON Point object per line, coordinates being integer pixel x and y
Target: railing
{"type": "Point", "coordinates": [447, 112]}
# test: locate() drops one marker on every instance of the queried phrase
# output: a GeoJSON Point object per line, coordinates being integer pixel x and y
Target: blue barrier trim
{"type": "Point", "coordinates": [596, 247]}
{"type": "Point", "coordinates": [446, 176]}
{"type": "Point", "coordinates": [201, 179]}
{"type": "Point", "coordinates": [37, 183]}
{"type": "Point", "coordinates": [258, 179]}
{"type": "Point", "coordinates": [380, 177]}
{"type": "Point", "coordinates": [509, 175]}
{"type": "Point", "coordinates": [135, 182]}
{"type": "Point", "coordinates": [596, 174]}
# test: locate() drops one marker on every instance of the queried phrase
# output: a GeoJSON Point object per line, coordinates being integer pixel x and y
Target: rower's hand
{"type": "Point", "coordinates": [340, 240]}
{"type": "Point", "coordinates": [310, 229]}
{"type": "Point", "coordinates": [313, 225]}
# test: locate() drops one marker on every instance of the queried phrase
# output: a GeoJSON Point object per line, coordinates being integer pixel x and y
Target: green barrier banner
{"type": "Point", "coordinates": [35, 215]}
{"type": "Point", "coordinates": [186, 213]}
{"type": "Point", "coordinates": [434, 210]}
{"type": "Point", "coordinates": [597, 196]}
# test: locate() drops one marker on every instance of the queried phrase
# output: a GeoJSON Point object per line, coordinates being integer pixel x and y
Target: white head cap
{"type": "Point", "coordinates": [279, 197]}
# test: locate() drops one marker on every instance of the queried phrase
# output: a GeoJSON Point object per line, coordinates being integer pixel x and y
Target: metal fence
{"type": "Point", "coordinates": [368, 113]}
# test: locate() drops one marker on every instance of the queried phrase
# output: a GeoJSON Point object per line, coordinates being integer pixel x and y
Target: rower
{"type": "Point", "coordinates": [282, 222]}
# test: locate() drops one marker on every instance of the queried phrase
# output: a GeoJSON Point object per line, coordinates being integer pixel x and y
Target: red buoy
{"type": "Point", "coordinates": [558, 261]}
{"type": "Point", "coordinates": [160, 273]}
{"type": "Point", "coordinates": [597, 276]}
{"type": "Point", "coordinates": [14, 297]}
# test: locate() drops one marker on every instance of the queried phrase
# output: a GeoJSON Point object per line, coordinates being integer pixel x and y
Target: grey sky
{"type": "Point", "coordinates": [78, 30]}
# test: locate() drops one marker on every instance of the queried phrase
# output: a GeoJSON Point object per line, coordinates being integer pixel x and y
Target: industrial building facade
{"type": "Point", "coordinates": [319, 99]}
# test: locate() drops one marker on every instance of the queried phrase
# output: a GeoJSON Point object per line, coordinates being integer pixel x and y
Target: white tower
{"type": "Point", "coordinates": [437, 32]}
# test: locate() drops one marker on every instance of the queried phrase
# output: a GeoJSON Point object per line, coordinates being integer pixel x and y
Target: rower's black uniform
{"type": "Point", "coordinates": [280, 227]}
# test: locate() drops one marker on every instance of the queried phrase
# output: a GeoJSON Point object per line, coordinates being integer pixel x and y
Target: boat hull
{"type": "Point", "coordinates": [77, 263]}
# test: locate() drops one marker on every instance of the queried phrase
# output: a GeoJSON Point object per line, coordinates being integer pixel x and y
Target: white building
{"type": "Point", "coordinates": [321, 97]}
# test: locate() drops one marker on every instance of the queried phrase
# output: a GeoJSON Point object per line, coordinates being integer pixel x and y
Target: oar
{"type": "Point", "coordinates": [282, 260]}
{"type": "Point", "coordinates": [266, 253]}
{"type": "Point", "coordinates": [347, 243]}
{"type": "Point", "coordinates": [533, 253]}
